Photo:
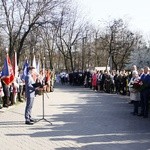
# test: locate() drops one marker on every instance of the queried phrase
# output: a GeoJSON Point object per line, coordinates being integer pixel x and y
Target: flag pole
{"type": "Point", "coordinates": [6, 50]}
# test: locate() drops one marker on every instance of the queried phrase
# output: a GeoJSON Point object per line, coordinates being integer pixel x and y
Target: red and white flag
{"type": "Point", "coordinates": [15, 65]}
{"type": "Point", "coordinates": [35, 71]}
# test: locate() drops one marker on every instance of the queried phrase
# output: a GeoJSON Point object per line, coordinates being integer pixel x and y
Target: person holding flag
{"type": "Point", "coordinates": [7, 77]}
{"type": "Point", "coordinates": [24, 74]}
{"type": "Point", "coordinates": [14, 88]}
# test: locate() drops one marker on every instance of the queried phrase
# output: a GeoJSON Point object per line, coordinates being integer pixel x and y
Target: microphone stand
{"type": "Point", "coordinates": [43, 115]}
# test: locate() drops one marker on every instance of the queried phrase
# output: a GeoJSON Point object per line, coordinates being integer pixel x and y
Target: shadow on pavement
{"type": "Point", "coordinates": [99, 121]}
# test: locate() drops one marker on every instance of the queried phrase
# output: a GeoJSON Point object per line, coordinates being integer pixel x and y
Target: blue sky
{"type": "Point", "coordinates": [135, 12]}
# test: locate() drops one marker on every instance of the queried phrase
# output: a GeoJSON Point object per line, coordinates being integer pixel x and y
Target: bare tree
{"type": "Point", "coordinates": [48, 36]}
{"type": "Point", "coordinates": [1, 49]}
{"type": "Point", "coordinates": [119, 42]}
{"type": "Point", "coordinates": [68, 33]}
{"type": "Point", "coordinates": [23, 16]}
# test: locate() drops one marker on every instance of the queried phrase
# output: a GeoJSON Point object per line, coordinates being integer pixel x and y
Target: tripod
{"type": "Point", "coordinates": [43, 118]}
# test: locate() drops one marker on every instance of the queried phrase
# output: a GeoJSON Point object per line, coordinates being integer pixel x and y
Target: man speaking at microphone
{"type": "Point", "coordinates": [30, 87]}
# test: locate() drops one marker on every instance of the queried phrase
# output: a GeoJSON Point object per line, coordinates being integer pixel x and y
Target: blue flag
{"type": "Point", "coordinates": [25, 69]}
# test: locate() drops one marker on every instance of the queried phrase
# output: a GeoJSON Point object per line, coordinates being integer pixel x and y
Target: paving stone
{"type": "Point", "coordinates": [81, 120]}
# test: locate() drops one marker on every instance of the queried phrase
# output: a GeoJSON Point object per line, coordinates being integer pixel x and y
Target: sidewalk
{"type": "Point", "coordinates": [81, 120]}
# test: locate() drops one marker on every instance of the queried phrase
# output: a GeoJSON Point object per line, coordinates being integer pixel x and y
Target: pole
{"type": "Point", "coordinates": [43, 105]}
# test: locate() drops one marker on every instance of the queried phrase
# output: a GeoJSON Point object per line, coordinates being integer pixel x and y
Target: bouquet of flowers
{"type": "Point", "coordinates": [137, 85]}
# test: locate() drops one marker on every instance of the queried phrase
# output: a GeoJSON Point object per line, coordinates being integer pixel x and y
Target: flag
{"type": "Point", "coordinates": [25, 69]}
{"type": "Point", "coordinates": [34, 74]}
{"type": "Point", "coordinates": [15, 65]}
{"type": "Point", "coordinates": [38, 66]}
{"type": "Point", "coordinates": [34, 62]}
{"type": "Point", "coordinates": [7, 72]}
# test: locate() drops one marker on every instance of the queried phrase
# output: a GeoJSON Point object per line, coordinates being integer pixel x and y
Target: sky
{"type": "Point", "coordinates": [135, 12]}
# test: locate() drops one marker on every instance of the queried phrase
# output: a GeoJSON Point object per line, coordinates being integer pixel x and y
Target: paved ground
{"type": "Point", "coordinates": [82, 120]}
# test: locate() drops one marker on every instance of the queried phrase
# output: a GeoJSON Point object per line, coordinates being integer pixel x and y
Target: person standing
{"type": "Point", "coordinates": [133, 70]}
{"type": "Point", "coordinates": [145, 93]}
{"type": "Point", "coordinates": [1, 94]}
{"type": "Point", "coordinates": [94, 81]}
{"type": "Point", "coordinates": [134, 93]}
{"type": "Point", "coordinates": [30, 94]}
{"type": "Point", "coordinates": [48, 80]}
{"type": "Point", "coordinates": [20, 84]}
{"type": "Point", "coordinates": [6, 97]}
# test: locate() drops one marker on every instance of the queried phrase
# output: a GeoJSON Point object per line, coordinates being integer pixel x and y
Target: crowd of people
{"type": "Point", "coordinates": [134, 83]}
{"type": "Point", "coordinates": [100, 81]}
{"type": "Point", "coordinates": [15, 92]}
{"type": "Point", "coordinates": [122, 82]}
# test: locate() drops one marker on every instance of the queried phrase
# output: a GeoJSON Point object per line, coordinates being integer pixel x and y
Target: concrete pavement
{"type": "Point", "coordinates": [81, 120]}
